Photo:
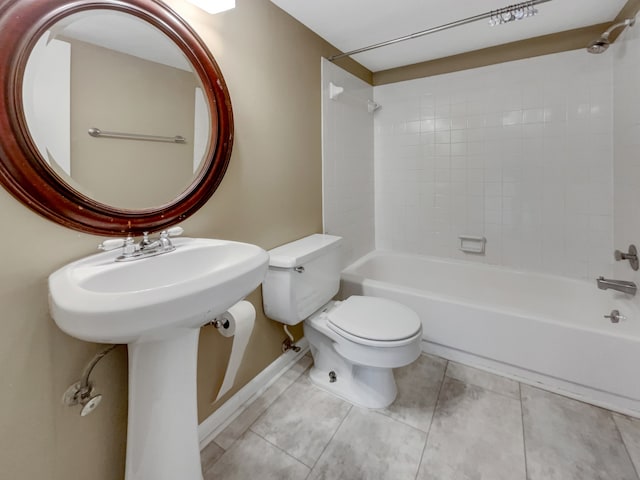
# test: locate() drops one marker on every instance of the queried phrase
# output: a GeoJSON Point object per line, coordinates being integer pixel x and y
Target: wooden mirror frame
{"type": "Point", "coordinates": [23, 171]}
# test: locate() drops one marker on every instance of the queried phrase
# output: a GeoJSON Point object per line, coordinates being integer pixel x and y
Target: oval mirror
{"type": "Point", "coordinates": [114, 118]}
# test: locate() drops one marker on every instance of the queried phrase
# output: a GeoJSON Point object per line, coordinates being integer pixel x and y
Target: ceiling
{"type": "Point", "coordinates": [352, 24]}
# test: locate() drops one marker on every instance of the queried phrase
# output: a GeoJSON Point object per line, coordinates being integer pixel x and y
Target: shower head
{"type": "Point", "coordinates": [601, 44]}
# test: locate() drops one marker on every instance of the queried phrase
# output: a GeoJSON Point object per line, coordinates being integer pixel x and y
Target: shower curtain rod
{"type": "Point", "coordinates": [446, 26]}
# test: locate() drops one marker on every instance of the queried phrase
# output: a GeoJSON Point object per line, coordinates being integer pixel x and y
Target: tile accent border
{"type": "Point", "coordinates": [235, 405]}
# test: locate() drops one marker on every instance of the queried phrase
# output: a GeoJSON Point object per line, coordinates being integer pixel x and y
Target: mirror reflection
{"type": "Point", "coordinates": [109, 71]}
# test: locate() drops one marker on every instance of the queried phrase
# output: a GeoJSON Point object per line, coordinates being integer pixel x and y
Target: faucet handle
{"type": "Point", "coordinates": [165, 241]}
{"type": "Point", "coordinates": [615, 316]}
{"type": "Point", "coordinates": [632, 256]}
{"type": "Point", "coordinates": [112, 244]}
{"type": "Point", "coordinates": [173, 232]}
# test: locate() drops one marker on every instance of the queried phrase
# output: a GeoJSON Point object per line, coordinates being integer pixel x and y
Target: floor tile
{"type": "Point", "coordinates": [486, 380]}
{"type": "Point", "coordinates": [254, 457]}
{"type": "Point", "coordinates": [368, 446]}
{"type": "Point", "coordinates": [418, 387]}
{"type": "Point", "coordinates": [210, 455]}
{"type": "Point", "coordinates": [476, 434]}
{"type": "Point", "coordinates": [241, 424]}
{"type": "Point", "coordinates": [302, 421]}
{"type": "Point", "coordinates": [630, 430]}
{"type": "Point", "coordinates": [569, 440]}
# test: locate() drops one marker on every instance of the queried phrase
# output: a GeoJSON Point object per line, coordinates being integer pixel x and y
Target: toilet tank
{"type": "Point", "coordinates": [302, 277]}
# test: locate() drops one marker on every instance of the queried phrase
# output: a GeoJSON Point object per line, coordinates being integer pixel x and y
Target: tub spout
{"type": "Point", "coordinates": [623, 286]}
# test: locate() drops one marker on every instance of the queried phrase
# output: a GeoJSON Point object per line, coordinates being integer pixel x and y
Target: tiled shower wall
{"type": "Point", "coordinates": [520, 153]}
{"type": "Point", "coordinates": [626, 70]}
{"type": "Point", "coordinates": [347, 162]}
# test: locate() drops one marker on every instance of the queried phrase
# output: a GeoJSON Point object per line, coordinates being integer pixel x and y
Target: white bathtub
{"type": "Point", "coordinates": [540, 329]}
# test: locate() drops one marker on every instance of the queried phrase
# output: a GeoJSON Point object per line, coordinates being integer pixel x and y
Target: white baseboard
{"type": "Point", "coordinates": [234, 406]}
{"type": "Point", "coordinates": [582, 393]}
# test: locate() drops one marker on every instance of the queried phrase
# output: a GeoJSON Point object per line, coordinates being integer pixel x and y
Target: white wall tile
{"type": "Point", "coordinates": [626, 138]}
{"type": "Point", "coordinates": [347, 157]}
{"type": "Point", "coordinates": [520, 152]}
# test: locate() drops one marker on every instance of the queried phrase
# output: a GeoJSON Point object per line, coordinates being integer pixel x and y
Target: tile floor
{"type": "Point", "coordinates": [449, 422]}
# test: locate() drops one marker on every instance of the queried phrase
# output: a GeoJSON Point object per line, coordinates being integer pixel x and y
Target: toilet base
{"type": "Point", "coordinates": [370, 387]}
{"type": "Point", "coordinates": [364, 386]}
{"type": "Point", "coordinates": [360, 373]}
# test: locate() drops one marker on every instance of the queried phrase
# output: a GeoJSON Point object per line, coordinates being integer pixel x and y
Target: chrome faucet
{"type": "Point", "coordinates": [147, 247]}
{"type": "Point", "coordinates": [623, 286]}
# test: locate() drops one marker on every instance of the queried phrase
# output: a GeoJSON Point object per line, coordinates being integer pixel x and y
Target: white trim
{"type": "Point", "coordinates": [323, 134]}
{"type": "Point", "coordinates": [234, 406]}
{"type": "Point", "coordinates": [576, 391]}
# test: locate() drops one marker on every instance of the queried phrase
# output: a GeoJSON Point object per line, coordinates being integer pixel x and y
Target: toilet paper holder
{"type": "Point", "coordinates": [237, 322]}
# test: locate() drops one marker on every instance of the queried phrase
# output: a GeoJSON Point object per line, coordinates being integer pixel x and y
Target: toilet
{"type": "Point", "coordinates": [355, 343]}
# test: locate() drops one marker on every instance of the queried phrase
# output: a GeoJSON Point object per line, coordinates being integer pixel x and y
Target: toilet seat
{"type": "Point", "coordinates": [374, 321]}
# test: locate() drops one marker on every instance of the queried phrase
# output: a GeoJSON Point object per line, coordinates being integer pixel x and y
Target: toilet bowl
{"type": "Point", "coordinates": [355, 343]}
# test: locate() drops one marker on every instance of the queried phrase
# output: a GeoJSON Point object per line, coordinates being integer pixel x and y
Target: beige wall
{"type": "Point", "coordinates": [270, 195]}
{"type": "Point", "coordinates": [122, 93]}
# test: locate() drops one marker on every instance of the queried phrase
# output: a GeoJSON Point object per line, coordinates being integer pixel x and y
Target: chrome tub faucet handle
{"type": "Point", "coordinates": [615, 316]}
{"type": "Point", "coordinates": [631, 255]}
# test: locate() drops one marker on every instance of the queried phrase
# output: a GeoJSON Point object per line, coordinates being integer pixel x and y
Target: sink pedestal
{"type": "Point", "coordinates": [162, 436]}
{"type": "Point", "coordinates": [156, 305]}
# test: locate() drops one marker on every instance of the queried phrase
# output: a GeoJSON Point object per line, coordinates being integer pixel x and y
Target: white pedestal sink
{"type": "Point", "coordinates": [157, 305]}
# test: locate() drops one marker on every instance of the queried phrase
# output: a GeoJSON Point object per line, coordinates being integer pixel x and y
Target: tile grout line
{"type": "Point", "coordinates": [433, 415]}
{"type": "Point", "coordinates": [501, 394]}
{"type": "Point", "coordinates": [524, 440]}
{"type": "Point", "coordinates": [261, 414]}
{"type": "Point", "coordinates": [330, 440]}
{"type": "Point", "coordinates": [249, 428]}
{"type": "Point", "coordinates": [396, 420]}
{"type": "Point", "coordinates": [283, 451]}
{"type": "Point", "coordinates": [496, 391]}
{"type": "Point", "coordinates": [624, 444]}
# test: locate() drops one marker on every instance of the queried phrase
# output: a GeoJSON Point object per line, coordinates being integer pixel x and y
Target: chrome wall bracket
{"type": "Point", "coordinates": [78, 394]}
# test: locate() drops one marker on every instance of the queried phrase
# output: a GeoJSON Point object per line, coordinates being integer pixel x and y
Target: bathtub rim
{"type": "Point", "coordinates": [350, 273]}
{"type": "Point", "coordinates": [456, 261]}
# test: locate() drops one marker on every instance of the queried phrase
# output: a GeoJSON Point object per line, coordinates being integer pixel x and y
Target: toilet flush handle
{"type": "Point", "coordinates": [299, 269]}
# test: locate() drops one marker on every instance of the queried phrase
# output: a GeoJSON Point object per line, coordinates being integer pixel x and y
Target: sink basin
{"type": "Point", "coordinates": [100, 300]}
{"type": "Point", "coordinates": [157, 305]}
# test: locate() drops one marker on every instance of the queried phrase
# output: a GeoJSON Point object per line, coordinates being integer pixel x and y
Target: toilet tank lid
{"type": "Point", "coordinates": [296, 253]}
